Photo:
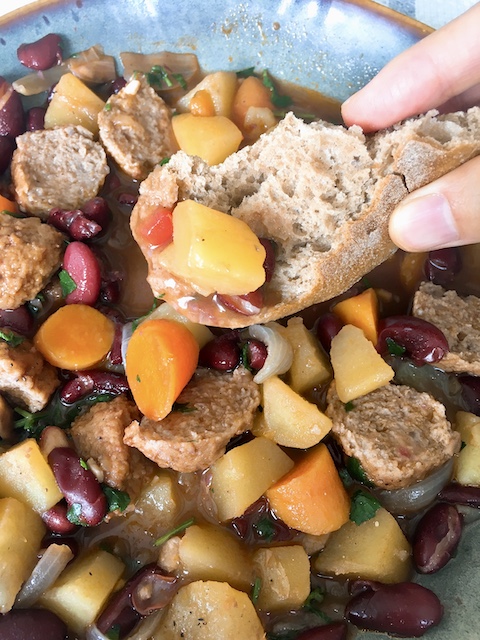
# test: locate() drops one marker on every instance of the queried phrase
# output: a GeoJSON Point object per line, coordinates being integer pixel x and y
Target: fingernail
{"type": "Point", "coordinates": [423, 223]}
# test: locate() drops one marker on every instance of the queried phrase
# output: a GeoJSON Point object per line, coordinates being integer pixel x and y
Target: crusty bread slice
{"type": "Point", "coordinates": [321, 192]}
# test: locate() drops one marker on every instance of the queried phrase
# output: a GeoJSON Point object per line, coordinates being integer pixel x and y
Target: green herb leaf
{"type": "Point", "coordinates": [277, 99]}
{"type": "Point", "coordinates": [117, 500]}
{"type": "Point", "coordinates": [83, 464]}
{"type": "Point", "coordinates": [114, 632]}
{"type": "Point", "coordinates": [244, 359]}
{"type": "Point", "coordinates": [349, 406]}
{"type": "Point", "coordinates": [181, 527]}
{"type": "Point", "coordinates": [138, 378]}
{"type": "Point", "coordinates": [313, 602]}
{"type": "Point", "coordinates": [164, 161]}
{"type": "Point", "coordinates": [394, 349]}
{"type": "Point", "coordinates": [265, 529]}
{"type": "Point", "coordinates": [180, 79]}
{"type": "Point", "coordinates": [28, 421]}
{"type": "Point", "coordinates": [246, 73]}
{"type": "Point", "coordinates": [74, 514]}
{"type": "Point", "coordinates": [463, 445]}
{"type": "Point", "coordinates": [11, 338]}
{"type": "Point", "coordinates": [107, 107]}
{"type": "Point", "coordinates": [363, 507]}
{"type": "Point", "coordinates": [158, 76]}
{"type": "Point", "coordinates": [140, 319]}
{"type": "Point", "coordinates": [67, 283]}
{"type": "Point", "coordinates": [183, 407]}
{"type": "Point", "coordinates": [345, 477]}
{"type": "Point", "coordinates": [357, 472]}
{"type": "Point", "coordinates": [257, 586]}
{"type": "Point", "coordinates": [12, 214]}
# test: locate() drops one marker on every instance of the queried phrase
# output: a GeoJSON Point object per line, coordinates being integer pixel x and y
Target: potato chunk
{"type": "Point", "coordinates": [27, 476]}
{"type": "Point", "coordinates": [21, 532]}
{"type": "Point", "coordinates": [208, 610]}
{"type": "Point", "coordinates": [374, 550]}
{"type": "Point", "coordinates": [467, 463]}
{"type": "Point", "coordinates": [220, 86]}
{"type": "Point", "coordinates": [284, 574]}
{"type": "Point", "coordinates": [210, 553]}
{"type": "Point", "coordinates": [310, 366]}
{"type": "Point", "coordinates": [212, 138]}
{"type": "Point", "coordinates": [243, 474]}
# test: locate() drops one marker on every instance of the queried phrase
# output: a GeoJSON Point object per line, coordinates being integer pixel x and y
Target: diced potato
{"type": "Point", "coordinates": [210, 553]}
{"type": "Point", "coordinates": [200, 331]}
{"type": "Point", "coordinates": [243, 474]}
{"type": "Point", "coordinates": [82, 589]}
{"type": "Point", "coordinates": [311, 497]}
{"type": "Point", "coordinates": [221, 86]}
{"type": "Point", "coordinates": [27, 476]}
{"type": "Point", "coordinates": [258, 120]}
{"type": "Point", "coordinates": [158, 506]}
{"type": "Point", "coordinates": [21, 532]}
{"type": "Point", "coordinates": [73, 103]}
{"type": "Point", "coordinates": [374, 550]}
{"type": "Point", "coordinates": [310, 367]}
{"type": "Point", "coordinates": [362, 312]}
{"type": "Point", "coordinates": [467, 463]}
{"type": "Point", "coordinates": [284, 574]}
{"type": "Point", "coordinates": [216, 251]}
{"type": "Point", "coordinates": [212, 138]}
{"type": "Point", "coordinates": [288, 419]}
{"type": "Point", "coordinates": [358, 368]}
{"type": "Point", "coordinates": [207, 610]}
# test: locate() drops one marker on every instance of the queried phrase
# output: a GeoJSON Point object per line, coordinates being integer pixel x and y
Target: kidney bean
{"type": "Point", "coordinates": [405, 609]}
{"type": "Point", "coordinates": [12, 116]}
{"type": "Point", "coordinates": [255, 353]}
{"type": "Point", "coordinates": [436, 537]}
{"type": "Point", "coordinates": [332, 631]}
{"type": "Point", "coordinates": [41, 54]}
{"type": "Point", "coordinates": [259, 524]}
{"type": "Point", "coordinates": [470, 392]}
{"type": "Point", "coordinates": [87, 382]}
{"type": "Point", "coordinates": [148, 590]}
{"type": "Point", "coordinates": [443, 265]}
{"type": "Point", "coordinates": [7, 147]}
{"type": "Point", "coordinates": [32, 624]}
{"type": "Point", "coordinates": [129, 199]}
{"type": "Point", "coordinates": [78, 485]}
{"type": "Point", "coordinates": [247, 305]}
{"type": "Point", "coordinates": [222, 353]}
{"type": "Point", "coordinates": [424, 342]}
{"type": "Point", "coordinates": [20, 320]}
{"type": "Point", "coordinates": [115, 353]}
{"type": "Point", "coordinates": [459, 494]}
{"type": "Point", "coordinates": [54, 538]}
{"type": "Point", "coordinates": [82, 266]}
{"type": "Point", "coordinates": [270, 258]}
{"type": "Point", "coordinates": [97, 209]}
{"type": "Point", "coordinates": [326, 328]}
{"type": "Point", "coordinates": [237, 441]}
{"type": "Point", "coordinates": [36, 119]}
{"type": "Point", "coordinates": [56, 520]}
{"type": "Point", "coordinates": [75, 223]}
{"type": "Point", "coordinates": [116, 85]}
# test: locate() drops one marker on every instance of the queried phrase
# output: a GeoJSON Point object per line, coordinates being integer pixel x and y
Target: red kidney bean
{"type": "Point", "coordinates": [443, 265]}
{"type": "Point", "coordinates": [32, 624]}
{"type": "Point", "coordinates": [405, 609]}
{"type": "Point", "coordinates": [78, 485]}
{"type": "Point", "coordinates": [470, 392]}
{"type": "Point", "coordinates": [270, 258]}
{"type": "Point", "coordinates": [222, 353]}
{"type": "Point", "coordinates": [75, 223]}
{"type": "Point", "coordinates": [87, 382]}
{"type": "Point", "coordinates": [116, 85]}
{"type": "Point", "coordinates": [332, 631]}
{"type": "Point", "coordinates": [255, 353]}
{"type": "Point", "coordinates": [248, 304]}
{"type": "Point", "coordinates": [424, 343]}
{"type": "Point", "coordinates": [97, 209]}
{"type": "Point", "coordinates": [7, 147]}
{"type": "Point", "coordinates": [56, 520]}
{"type": "Point", "coordinates": [82, 266]}
{"type": "Point", "coordinates": [12, 116]}
{"type": "Point", "coordinates": [36, 119]}
{"type": "Point", "coordinates": [326, 328]}
{"type": "Point", "coordinates": [436, 537]}
{"type": "Point", "coordinates": [20, 320]}
{"type": "Point", "coordinates": [41, 54]}
{"type": "Point", "coordinates": [148, 590]}
{"type": "Point", "coordinates": [115, 353]}
{"type": "Point", "coordinates": [459, 494]}
{"type": "Point", "coordinates": [259, 524]}
{"type": "Point", "coordinates": [237, 441]}
{"type": "Point", "coordinates": [129, 199]}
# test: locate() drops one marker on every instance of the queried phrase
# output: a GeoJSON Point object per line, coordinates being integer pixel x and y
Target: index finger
{"type": "Point", "coordinates": [439, 67]}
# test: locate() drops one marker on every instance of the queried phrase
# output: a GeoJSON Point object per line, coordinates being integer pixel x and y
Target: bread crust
{"type": "Point", "coordinates": [322, 193]}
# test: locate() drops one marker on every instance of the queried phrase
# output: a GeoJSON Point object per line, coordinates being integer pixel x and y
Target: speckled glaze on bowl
{"type": "Point", "coordinates": [334, 46]}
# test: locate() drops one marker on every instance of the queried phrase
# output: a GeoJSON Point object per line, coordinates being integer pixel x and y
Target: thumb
{"type": "Point", "coordinates": [444, 213]}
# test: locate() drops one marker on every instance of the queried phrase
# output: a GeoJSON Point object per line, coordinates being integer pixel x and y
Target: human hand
{"type": "Point", "coordinates": [441, 71]}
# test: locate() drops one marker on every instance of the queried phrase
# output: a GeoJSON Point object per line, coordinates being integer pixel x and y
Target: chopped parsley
{"type": "Point", "coordinates": [164, 161]}
{"type": "Point", "coordinates": [107, 107]}
{"type": "Point", "coordinates": [181, 527]}
{"type": "Point", "coordinates": [345, 477]}
{"type": "Point", "coordinates": [394, 349]}
{"type": "Point", "coordinates": [12, 214]}
{"type": "Point", "coordinates": [74, 514]}
{"type": "Point", "coordinates": [257, 586]}
{"type": "Point", "coordinates": [140, 319]}
{"type": "Point", "coordinates": [114, 632]}
{"type": "Point", "coordinates": [83, 464]}
{"type": "Point", "coordinates": [158, 77]}
{"type": "Point", "coordinates": [11, 338]}
{"type": "Point", "coordinates": [28, 421]}
{"type": "Point", "coordinates": [117, 500]}
{"type": "Point", "coordinates": [357, 472]}
{"type": "Point", "coordinates": [463, 445]}
{"type": "Point", "coordinates": [349, 406]}
{"type": "Point", "coordinates": [246, 73]}
{"type": "Point", "coordinates": [313, 602]}
{"type": "Point", "coordinates": [180, 79]}
{"type": "Point", "coordinates": [67, 283]}
{"type": "Point", "coordinates": [277, 99]}
{"type": "Point", "coordinates": [265, 528]}
{"type": "Point", "coordinates": [363, 507]}
{"type": "Point", "coordinates": [183, 407]}
{"type": "Point", "coordinates": [138, 378]}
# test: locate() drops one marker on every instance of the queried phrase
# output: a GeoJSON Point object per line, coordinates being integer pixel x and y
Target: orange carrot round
{"type": "Point", "coordinates": [75, 337]}
{"type": "Point", "coordinates": [162, 356]}
{"type": "Point", "coordinates": [8, 205]}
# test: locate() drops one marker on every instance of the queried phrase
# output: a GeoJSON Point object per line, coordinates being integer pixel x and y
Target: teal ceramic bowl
{"type": "Point", "coordinates": [334, 46]}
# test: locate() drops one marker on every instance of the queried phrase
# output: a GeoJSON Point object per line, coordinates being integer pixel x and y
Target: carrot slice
{"type": "Point", "coordinates": [8, 205]}
{"type": "Point", "coordinates": [362, 312]}
{"type": "Point", "coordinates": [75, 337]}
{"type": "Point", "coordinates": [162, 356]}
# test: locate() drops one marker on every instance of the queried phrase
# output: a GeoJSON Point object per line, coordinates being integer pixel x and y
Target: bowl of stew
{"type": "Point", "coordinates": [104, 536]}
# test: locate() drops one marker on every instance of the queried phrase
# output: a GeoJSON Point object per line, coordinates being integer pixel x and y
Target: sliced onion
{"type": "Point", "coordinates": [93, 633]}
{"type": "Point", "coordinates": [45, 573]}
{"type": "Point", "coordinates": [40, 81]}
{"type": "Point", "coordinates": [417, 496]}
{"type": "Point", "coordinates": [186, 64]}
{"type": "Point", "coordinates": [146, 628]}
{"type": "Point", "coordinates": [92, 65]}
{"type": "Point", "coordinates": [127, 331]}
{"type": "Point", "coordinates": [279, 350]}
